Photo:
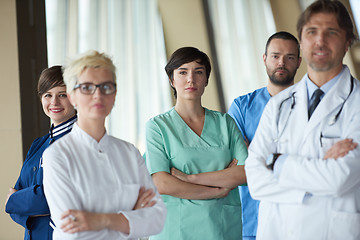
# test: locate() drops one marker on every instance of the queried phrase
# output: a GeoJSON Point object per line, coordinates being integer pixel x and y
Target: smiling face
{"type": "Point", "coordinates": [56, 105]}
{"type": "Point", "coordinates": [282, 61]}
{"type": "Point", "coordinates": [190, 81]}
{"type": "Point", "coordinates": [97, 106]}
{"type": "Point", "coordinates": [323, 43]}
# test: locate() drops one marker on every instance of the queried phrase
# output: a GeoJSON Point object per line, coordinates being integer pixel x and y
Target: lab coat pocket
{"type": "Point", "coordinates": [327, 143]}
{"type": "Point", "coordinates": [128, 196]}
{"type": "Point", "coordinates": [344, 225]}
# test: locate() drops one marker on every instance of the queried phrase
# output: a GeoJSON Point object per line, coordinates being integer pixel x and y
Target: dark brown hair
{"type": "Point", "coordinates": [328, 6]}
{"type": "Point", "coordinates": [50, 78]}
{"type": "Point", "coordinates": [285, 36]}
{"type": "Point", "coordinates": [186, 55]}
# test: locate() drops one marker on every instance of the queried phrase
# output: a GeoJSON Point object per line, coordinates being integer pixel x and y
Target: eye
{"type": "Point", "coordinates": [87, 87]}
{"type": "Point", "coordinates": [47, 95]}
{"type": "Point", "coordinates": [199, 72]}
{"type": "Point", "coordinates": [62, 95]}
{"type": "Point", "coordinates": [291, 58]}
{"type": "Point", "coordinates": [182, 72]}
{"type": "Point", "coordinates": [275, 56]}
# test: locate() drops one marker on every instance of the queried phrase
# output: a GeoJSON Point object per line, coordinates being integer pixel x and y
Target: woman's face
{"type": "Point", "coordinates": [93, 106]}
{"type": "Point", "coordinates": [56, 105]}
{"type": "Point", "coordinates": [190, 80]}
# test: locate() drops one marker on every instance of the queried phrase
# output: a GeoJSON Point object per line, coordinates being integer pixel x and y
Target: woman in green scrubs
{"type": "Point", "coordinates": [196, 157]}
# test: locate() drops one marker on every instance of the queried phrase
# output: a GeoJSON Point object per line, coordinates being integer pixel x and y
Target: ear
{"type": "Point", "coordinates": [171, 82]}
{"type": "Point", "coordinates": [264, 58]}
{"type": "Point", "coordinates": [300, 59]}
{"type": "Point", "coordinates": [347, 46]}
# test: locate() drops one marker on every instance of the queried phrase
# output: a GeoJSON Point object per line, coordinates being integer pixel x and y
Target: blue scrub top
{"type": "Point", "coordinates": [246, 110]}
{"type": "Point", "coordinates": [30, 200]}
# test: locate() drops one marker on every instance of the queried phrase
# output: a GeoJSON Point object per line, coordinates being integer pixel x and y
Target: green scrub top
{"type": "Point", "coordinates": [170, 143]}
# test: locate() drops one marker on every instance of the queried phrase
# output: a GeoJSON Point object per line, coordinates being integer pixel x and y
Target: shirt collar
{"type": "Point", "coordinates": [311, 87]}
{"type": "Point", "coordinates": [62, 128]}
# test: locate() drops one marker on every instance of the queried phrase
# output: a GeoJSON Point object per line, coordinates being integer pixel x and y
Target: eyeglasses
{"type": "Point", "coordinates": [90, 88]}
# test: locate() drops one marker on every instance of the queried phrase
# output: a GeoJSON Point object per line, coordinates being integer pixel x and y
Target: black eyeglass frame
{"type": "Point", "coordinates": [100, 86]}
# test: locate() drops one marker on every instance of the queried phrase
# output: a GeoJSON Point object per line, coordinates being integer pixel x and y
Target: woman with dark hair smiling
{"type": "Point", "coordinates": [193, 155]}
{"type": "Point", "coordinates": [26, 202]}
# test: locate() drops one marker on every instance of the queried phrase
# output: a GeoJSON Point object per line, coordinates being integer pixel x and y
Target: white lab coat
{"type": "Point", "coordinates": [333, 210]}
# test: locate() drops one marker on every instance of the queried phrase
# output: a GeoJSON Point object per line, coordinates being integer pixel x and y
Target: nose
{"type": "Point", "coordinates": [54, 100]}
{"type": "Point", "coordinates": [97, 93]}
{"type": "Point", "coordinates": [281, 61]}
{"type": "Point", "coordinates": [190, 77]}
{"type": "Point", "coordinates": [320, 39]}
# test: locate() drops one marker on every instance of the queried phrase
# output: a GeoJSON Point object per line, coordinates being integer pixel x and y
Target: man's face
{"type": "Point", "coordinates": [282, 61]}
{"type": "Point", "coordinates": [323, 43]}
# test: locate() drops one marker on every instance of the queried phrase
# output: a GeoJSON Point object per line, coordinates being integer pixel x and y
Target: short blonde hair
{"type": "Point", "coordinates": [91, 59]}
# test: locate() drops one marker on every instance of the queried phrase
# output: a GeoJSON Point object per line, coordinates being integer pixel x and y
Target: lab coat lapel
{"type": "Point", "coordinates": [300, 110]}
{"type": "Point", "coordinates": [332, 100]}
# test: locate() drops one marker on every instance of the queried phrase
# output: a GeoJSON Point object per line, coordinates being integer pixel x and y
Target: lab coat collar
{"type": "Point", "coordinates": [331, 101]}
{"type": "Point", "coordinates": [84, 138]}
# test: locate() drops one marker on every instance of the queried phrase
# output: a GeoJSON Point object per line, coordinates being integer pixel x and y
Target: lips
{"type": "Point", "coordinates": [190, 89]}
{"type": "Point", "coordinates": [56, 110]}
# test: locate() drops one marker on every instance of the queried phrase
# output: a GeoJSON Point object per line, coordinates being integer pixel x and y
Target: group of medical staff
{"type": "Point", "coordinates": [291, 148]}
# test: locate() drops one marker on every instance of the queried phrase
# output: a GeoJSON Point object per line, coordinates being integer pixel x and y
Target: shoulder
{"type": "Point", "coordinates": [36, 144]}
{"type": "Point", "coordinates": [250, 98]}
{"type": "Point", "coordinates": [219, 117]}
{"type": "Point", "coordinates": [163, 119]}
{"type": "Point", "coordinates": [61, 145]}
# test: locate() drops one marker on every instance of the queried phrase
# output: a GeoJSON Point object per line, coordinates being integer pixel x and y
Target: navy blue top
{"type": "Point", "coordinates": [30, 200]}
{"type": "Point", "coordinates": [246, 110]}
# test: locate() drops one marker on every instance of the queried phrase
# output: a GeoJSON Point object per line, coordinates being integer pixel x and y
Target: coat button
{"type": "Point", "coordinates": [34, 169]}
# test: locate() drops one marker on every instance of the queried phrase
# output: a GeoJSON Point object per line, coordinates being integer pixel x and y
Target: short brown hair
{"type": "Point", "coordinates": [328, 6]}
{"type": "Point", "coordinates": [50, 78]}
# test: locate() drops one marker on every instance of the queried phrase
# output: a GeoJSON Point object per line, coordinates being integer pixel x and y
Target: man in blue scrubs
{"type": "Point", "coordinates": [281, 59]}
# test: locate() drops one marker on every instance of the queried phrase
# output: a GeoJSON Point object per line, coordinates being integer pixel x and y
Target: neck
{"type": "Point", "coordinates": [189, 109]}
{"type": "Point", "coordinates": [95, 128]}
{"type": "Point", "coordinates": [320, 78]}
{"type": "Point", "coordinates": [275, 89]}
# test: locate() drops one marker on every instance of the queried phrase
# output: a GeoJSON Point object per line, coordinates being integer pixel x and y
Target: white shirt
{"type": "Point", "coordinates": [103, 177]}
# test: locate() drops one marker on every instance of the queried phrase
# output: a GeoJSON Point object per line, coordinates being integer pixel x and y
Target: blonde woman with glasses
{"type": "Point", "coordinates": [97, 186]}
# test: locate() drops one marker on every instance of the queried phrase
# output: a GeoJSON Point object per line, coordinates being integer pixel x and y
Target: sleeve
{"type": "Point", "coordinates": [326, 177]}
{"type": "Point", "coordinates": [146, 221]}
{"type": "Point", "coordinates": [28, 201]}
{"type": "Point", "coordinates": [25, 203]}
{"type": "Point", "coordinates": [237, 144]}
{"type": "Point", "coordinates": [263, 184]}
{"type": "Point", "coordinates": [157, 159]}
{"type": "Point", "coordinates": [59, 190]}
{"type": "Point", "coordinates": [238, 114]}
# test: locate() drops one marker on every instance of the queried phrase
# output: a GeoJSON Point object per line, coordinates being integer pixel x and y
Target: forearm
{"type": "Point", "coordinates": [116, 222]}
{"type": "Point", "coordinates": [170, 185]}
{"type": "Point", "coordinates": [227, 178]}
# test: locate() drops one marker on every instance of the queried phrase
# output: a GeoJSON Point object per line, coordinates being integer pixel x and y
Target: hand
{"type": "Point", "coordinates": [223, 192]}
{"type": "Point", "coordinates": [79, 221]}
{"type": "Point", "coordinates": [180, 175]}
{"type": "Point", "coordinates": [340, 149]}
{"type": "Point", "coordinates": [144, 199]}
{"type": "Point", "coordinates": [233, 163]}
{"type": "Point", "coordinates": [11, 191]}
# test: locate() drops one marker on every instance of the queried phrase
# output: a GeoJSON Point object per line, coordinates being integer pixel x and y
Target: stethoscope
{"type": "Point", "coordinates": [293, 103]}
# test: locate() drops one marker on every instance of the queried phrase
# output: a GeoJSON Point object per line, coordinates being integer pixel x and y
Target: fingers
{"type": "Point", "coordinates": [340, 149]}
{"type": "Point", "coordinates": [234, 162]}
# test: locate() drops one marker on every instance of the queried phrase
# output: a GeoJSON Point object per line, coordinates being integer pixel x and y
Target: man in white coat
{"type": "Point", "coordinates": [304, 162]}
